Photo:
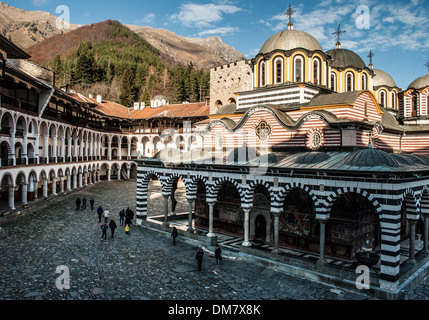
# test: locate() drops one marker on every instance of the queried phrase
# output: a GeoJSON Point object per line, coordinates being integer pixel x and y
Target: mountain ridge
{"type": "Point", "coordinates": [33, 29]}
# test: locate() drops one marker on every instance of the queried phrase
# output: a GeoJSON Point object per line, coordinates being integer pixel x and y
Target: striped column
{"type": "Point", "coordinates": [390, 223]}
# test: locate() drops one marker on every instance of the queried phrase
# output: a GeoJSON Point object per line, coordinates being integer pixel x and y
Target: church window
{"type": "Point", "coordinates": [278, 65]}
{"type": "Point", "coordinates": [333, 82]}
{"type": "Point", "coordinates": [364, 82]}
{"type": "Point", "coordinates": [262, 74]}
{"type": "Point", "coordinates": [393, 100]}
{"type": "Point", "coordinates": [299, 70]}
{"type": "Point", "coordinates": [316, 71]}
{"type": "Point", "coordinates": [349, 82]}
{"type": "Point", "coordinates": [414, 111]}
{"type": "Point", "coordinates": [382, 98]}
{"type": "Point", "coordinates": [263, 130]}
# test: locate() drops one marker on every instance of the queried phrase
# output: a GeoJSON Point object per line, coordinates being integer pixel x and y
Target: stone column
{"type": "Point", "coordinates": [46, 147]}
{"type": "Point", "coordinates": [11, 198]}
{"type": "Point", "coordinates": [246, 242]}
{"type": "Point", "coordinates": [36, 189]}
{"type": "Point", "coordinates": [322, 222]}
{"type": "Point", "coordinates": [63, 148]}
{"type": "Point", "coordinates": [54, 186]}
{"type": "Point", "coordinates": [165, 223]}
{"type": "Point", "coordinates": [276, 231]}
{"type": "Point", "coordinates": [61, 184]}
{"type": "Point", "coordinates": [24, 193]}
{"type": "Point", "coordinates": [412, 240]}
{"type": "Point", "coordinates": [211, 207]}
{"type": "Point", "coordinates": [75, 181]}
{"type": "Point", "coordinates": [190, 203]}
{"type": "Point", "coordinates": [85, 179]}
{"type": "Point", "coordinates": [108, 174]}
{"type": "Point", "coordinates": [69, 183]}
{"type": "Point", "coordinates": [54, 148]}
{"type": "Point", "coordinates": [426, 230]}
{"type": "Point", "coordinates": [79, 180]}
{"type": "Point", "coordinates": [45, 188]}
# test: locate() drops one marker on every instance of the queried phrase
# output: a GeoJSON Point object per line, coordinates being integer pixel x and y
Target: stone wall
{"type": "Point", "coordinates": [226, 81]}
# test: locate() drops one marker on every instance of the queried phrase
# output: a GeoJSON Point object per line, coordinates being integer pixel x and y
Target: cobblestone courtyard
{"type": "Point", "coordinates": [142, 265]}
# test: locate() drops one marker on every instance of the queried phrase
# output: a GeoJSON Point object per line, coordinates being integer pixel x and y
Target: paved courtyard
{"type": "Point", "coordinates": [142, 265]}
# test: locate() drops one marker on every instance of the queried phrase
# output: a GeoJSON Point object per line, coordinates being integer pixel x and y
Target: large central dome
{"type": "Point", "coordinates": [290, 39]}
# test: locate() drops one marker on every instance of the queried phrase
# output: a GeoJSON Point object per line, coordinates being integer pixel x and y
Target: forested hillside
{"type": "Point", "coordinates": [109, 59]}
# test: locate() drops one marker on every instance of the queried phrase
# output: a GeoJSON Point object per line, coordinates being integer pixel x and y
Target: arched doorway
{"type": "Point", "coordinates": [260, 219]}
{"type": "Point", "coordinates": [297, 225]}
{"type": "Point", "coordinates": [353, 221]}
{"type": "Point", "coordinates": [260, 228]}
{"type": "Point", "coordinates": [201, 206]}
{"type": "Point", "coordinates": [228, 216]}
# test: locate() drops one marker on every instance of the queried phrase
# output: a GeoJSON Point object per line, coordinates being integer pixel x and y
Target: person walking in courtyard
{"type": "Point", "coordinates": [100, 213]}
{"type": "Point", "coordinates": [127, 229]}
{"type": "Point", "coordinates": [174, 235]}
{"type": "Point", "coordinates": [106, 215]}
{"type": "Point", "coordinates": [218, 254]}
{"type": "Point", "coordinates": [77, 203]}
{"type": "Point", "coordinates": [91, 202]}
{"type": "Point", "coordinates": [104, 228]}
{"type": "Point", "coordinates": [121, 217]}
{"type": "Point", "coordinates": [112, 226]}
{"type": "Point", "coordinates": [83, 203]}
{"type": "Point", "coordinates": [199, 258]}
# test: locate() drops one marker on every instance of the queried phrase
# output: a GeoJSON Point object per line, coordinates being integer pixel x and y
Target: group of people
{"type": "Point", "coordinates": [200, 253]}
{"type": "Point", "coordinates": [78, 202]}
{"type": "Point", "coordinates": [125, 218]}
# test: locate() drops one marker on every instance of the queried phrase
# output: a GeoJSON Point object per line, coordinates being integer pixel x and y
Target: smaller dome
{"type": "Point", "coordinates": [242, 154]}
{"type": "Point", "coordinates": [382, 78]}
{"type": "Point", "coordinates": [343, 58]}
{"type": "Point", "coordinates": [371, 158]}
{"type": "Point", "coordinates": [420, 83]}
{"type": "Point", "coordinates": [312, 157]}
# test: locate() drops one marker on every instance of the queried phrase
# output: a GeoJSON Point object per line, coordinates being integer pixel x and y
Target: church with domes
{"type": "Point", "coordinates": [311, 158]}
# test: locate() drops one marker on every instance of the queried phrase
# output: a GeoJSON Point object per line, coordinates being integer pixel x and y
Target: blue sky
{"type": "Point", "coordinates": [396, 31]}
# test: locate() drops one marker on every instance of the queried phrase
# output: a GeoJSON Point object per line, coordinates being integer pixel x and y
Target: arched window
{"type": "Point", "coordinates": [364, 82]}
{"type": "Point", "coordinates": [299, 69]}
{"type": "Point", "coordinates": [316, 71]}
{"type": "Point", "coordinates": [262, 74]}
{"type": "Point", "coordinates": [383, 98]}
{"type": "Point", "coordinates": [349, 82]}
{"type": "Point", "coordinates": [333, 81]}
{"type": "Point", "coordinates": [278, 70]}
{"type": "Point", "coordinates": [414, 111]}
{"type": "Point", "coordinates": [393, 100]}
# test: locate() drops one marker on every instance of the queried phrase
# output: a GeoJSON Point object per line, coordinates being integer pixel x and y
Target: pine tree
{"type": "Point", "coordinates": [146, 98]}
{"type": "Point", "coordinates": [128, 89]}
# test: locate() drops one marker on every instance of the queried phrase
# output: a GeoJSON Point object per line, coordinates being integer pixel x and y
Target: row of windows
{"type": "Point", "coordinates": [349, 81]}
{"type": "Point", "coordinates": [298, 71]}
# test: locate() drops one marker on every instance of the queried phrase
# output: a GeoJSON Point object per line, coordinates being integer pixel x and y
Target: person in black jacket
{"type": "Point", "coordinates": [218, 255]}
{"type": "Point", "coordinates": [174, 235]}
{"type": "Point", "coordinates": [199, 258]}
{"type": "Point", "coordinates": [77, 203]}
{"type": "Point", "coordinates": [100, 213]}
{"type": "Point", "coordinates": [112, 226]}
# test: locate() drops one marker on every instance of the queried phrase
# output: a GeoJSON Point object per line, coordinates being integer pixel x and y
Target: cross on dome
{"type": "Point", "coordinates": [371, 54]}
{"type": "Point", "coordinates": [290, 13]}
{"type": "Point", "coordinates": [338, 33]}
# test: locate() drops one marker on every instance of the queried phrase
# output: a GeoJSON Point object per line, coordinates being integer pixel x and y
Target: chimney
{"type": "Point", "coordinates": [99, 98]}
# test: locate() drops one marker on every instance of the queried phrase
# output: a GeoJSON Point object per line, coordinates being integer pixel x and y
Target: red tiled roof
{"type": "Point", "coordinates": [113, 109]}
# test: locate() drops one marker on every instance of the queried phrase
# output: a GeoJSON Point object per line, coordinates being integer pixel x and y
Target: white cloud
{"type": "Point", "coordinates": [147, 19]}
{"type": "Point", "coordinates": [219, 31]}
{"type": "Point", "coordinates": [203, 15]}
{"type": "Point", "coordinates": [392, 25]}
{"type": "Point", "coordinates": [39, 3]}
